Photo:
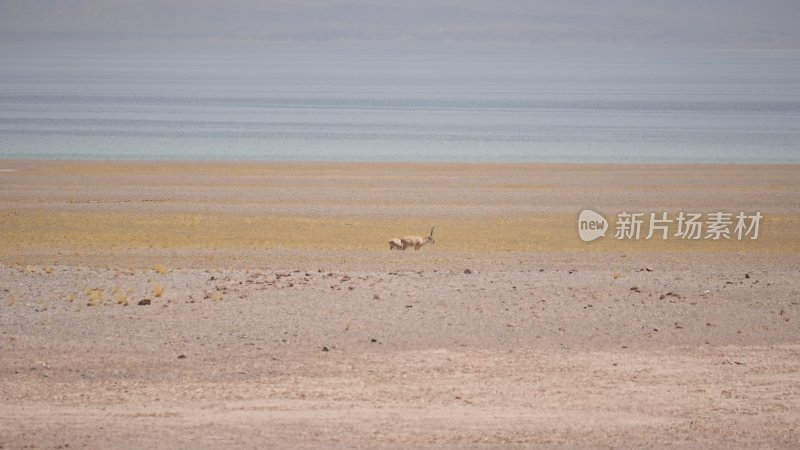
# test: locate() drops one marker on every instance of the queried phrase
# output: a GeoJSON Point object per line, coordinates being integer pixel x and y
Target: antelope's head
{"type": "Point", "coordinates": [430, 239]}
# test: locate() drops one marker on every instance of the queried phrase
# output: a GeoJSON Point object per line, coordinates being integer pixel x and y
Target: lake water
{"type": "Point", "coordinates": [739, 109]}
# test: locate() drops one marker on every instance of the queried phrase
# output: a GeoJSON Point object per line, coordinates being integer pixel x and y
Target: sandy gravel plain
{"type": "Point", "coordinates": [257, 305]}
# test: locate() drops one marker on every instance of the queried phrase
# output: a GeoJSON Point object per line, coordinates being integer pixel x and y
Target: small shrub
{"type": "Point", "coordinates": [122, 298]}
{"type": "Point", "coordinates": [96, 296]}
{"type": "Point", "coordinates": [158, 290]}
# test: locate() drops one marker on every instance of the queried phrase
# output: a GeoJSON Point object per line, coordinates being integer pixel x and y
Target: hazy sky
{"type": "Point", "coordinates": [766, 24]}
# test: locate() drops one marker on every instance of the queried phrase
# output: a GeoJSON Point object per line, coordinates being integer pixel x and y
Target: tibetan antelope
{"type": "Point", "coordinates": [416, 241]}
{"type": "Point", "coordinates": [396, 244]}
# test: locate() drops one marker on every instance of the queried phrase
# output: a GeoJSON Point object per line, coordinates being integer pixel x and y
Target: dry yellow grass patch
{"type": "Point", "coordinates": [121, 297]}
{"type": "Point", "coordinates": [112, 211]}
{"type": "Point", "coordinates": [158, 290]}
{"type": "Point", "coordinates": [93, 231]}
{"type": "Point", "coordinates": [95, 296]}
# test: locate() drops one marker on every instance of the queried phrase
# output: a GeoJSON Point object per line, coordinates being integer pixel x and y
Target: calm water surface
{"type": "Point", "coordinates": [698, 110]}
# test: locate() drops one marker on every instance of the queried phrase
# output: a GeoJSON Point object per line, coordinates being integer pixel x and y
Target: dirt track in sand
{"type": "Point", "coordinates": [720, 397]}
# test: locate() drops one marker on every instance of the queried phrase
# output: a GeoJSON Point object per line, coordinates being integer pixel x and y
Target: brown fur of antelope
{"type": "Point", "coordinates": [396, 244]}
{"type": "Point", "coordinates": [417, 241]}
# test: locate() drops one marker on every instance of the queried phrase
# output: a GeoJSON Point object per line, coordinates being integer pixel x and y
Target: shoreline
{"type": "Point", "coordinates": [645, 164]}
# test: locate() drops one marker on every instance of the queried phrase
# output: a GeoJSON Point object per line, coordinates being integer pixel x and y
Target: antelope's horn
{"type": "Point", "coordinates": [432, 229]}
